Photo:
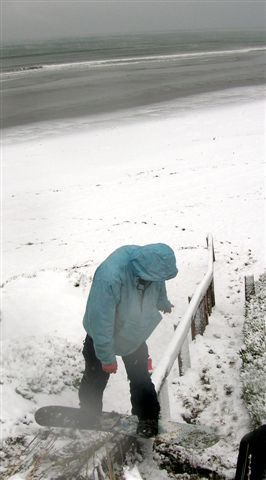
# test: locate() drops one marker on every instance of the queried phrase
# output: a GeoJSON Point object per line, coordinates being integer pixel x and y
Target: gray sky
{"type": "Point", "coordinates": [38, 19]}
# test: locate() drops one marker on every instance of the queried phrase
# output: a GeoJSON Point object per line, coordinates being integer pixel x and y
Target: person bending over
{"type": "Point", "coordinates": [127, 292]}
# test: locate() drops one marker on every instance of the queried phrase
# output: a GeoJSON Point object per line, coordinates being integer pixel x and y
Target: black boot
{"type": "Point", "coordinates": [148, 428]}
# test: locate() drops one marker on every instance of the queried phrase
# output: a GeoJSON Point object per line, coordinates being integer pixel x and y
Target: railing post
{"type": "Point", "coordinates": [209, 300]}
{"type": "Point", "coordinates": [212, 294]}
{"type": "Point", "coordinates": [184, 362]}
{"type": "Point", "coordinates": [212, 252]}
{"type": "Point", "coordinates": [164, 401]}
{"type": "Point", "coordinates": [193, 325]}
{"type": "Point", "coordinates": [193, 328]}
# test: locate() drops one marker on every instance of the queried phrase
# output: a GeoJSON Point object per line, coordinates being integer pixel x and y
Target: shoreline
{"type": "Point", "coordinates": [49, 94]}
{"type": "Point", "coordinates": [115, 61]}
{"type": "Point", "coordinates": [143, 113]}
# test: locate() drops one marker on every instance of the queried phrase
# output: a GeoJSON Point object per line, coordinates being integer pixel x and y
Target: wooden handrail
{"type": "Point", "coordinates": [195, 318]}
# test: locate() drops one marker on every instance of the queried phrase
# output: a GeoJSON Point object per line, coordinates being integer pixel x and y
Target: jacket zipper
{"type": "Point", "coordinates": [141, 299]}
{"type": "Point", "coordinates": [142, 292]}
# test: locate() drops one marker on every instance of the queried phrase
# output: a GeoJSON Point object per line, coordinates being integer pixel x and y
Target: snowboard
{"type": "Point", "coordinates": [113, 422]}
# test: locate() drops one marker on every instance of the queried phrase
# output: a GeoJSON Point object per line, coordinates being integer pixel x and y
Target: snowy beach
{"type": "Point", "coordinates": [102, 75]}
{"type": "Point", "coordinates": [75, 190]}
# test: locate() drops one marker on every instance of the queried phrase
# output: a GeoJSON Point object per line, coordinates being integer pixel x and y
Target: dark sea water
{"type": "Point", "coordinates": [87, 76]}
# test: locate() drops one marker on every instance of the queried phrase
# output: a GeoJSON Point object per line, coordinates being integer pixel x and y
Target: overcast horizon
{"type": "Point", "coordinates": [119, 34]}
{"type": "Point", "coordinates": [33, 21]}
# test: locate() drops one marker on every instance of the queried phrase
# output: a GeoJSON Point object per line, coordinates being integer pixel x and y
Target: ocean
{"type": "Point", "coordinates": [89, 76]}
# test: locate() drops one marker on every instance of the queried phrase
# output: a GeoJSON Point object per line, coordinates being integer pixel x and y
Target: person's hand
{"type": "Point", "coordinates": [110, 367]}
{"type": "Point", "coordinates": [168, 309]}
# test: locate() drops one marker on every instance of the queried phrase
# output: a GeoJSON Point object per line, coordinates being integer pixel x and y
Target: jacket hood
{"type": "Point", "coordinates": [155, 262]}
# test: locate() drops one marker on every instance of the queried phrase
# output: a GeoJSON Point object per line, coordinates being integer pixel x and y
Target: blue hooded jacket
{"type": "Point", "coordinates": [121, 312]}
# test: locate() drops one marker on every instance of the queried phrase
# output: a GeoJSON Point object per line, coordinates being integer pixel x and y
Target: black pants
{"type": "Point", "coordinates": [143, 395]}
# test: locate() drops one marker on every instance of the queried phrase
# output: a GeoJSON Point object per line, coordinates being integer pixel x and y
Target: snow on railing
{"type": "Point", "coordinates": [194, 319]}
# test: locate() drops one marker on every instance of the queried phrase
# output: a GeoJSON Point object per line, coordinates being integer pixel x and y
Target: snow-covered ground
{"type": "Point", "coordinates": [72, 193]}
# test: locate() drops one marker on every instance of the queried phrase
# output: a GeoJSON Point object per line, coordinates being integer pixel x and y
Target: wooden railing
{"type": "Point", "coordinates": [195, 320]}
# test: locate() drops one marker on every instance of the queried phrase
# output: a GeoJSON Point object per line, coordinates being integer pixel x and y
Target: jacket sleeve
{"type": "Point", "coordinates": [163, 303]}
{"type": "Point", "coordinates": [99, 319]}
